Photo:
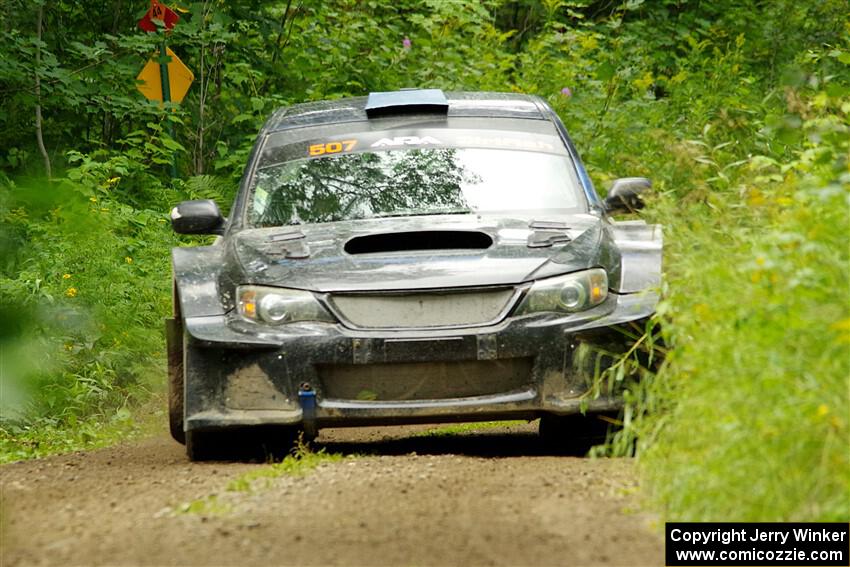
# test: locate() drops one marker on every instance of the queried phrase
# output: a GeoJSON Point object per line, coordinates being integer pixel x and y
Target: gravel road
{"type": "Point", "coordinates": [399, 496]}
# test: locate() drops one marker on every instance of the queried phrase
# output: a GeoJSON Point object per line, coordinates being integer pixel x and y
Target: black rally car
{"type": "Point", "coordinates": [413, 256]}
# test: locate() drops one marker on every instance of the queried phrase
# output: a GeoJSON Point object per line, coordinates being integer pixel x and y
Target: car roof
{"type": "Point", "coordinates": [460, 104]}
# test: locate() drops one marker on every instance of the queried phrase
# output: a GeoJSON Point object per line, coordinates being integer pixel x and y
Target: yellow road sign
{"type": "Point", "coordinates": [179, 79]}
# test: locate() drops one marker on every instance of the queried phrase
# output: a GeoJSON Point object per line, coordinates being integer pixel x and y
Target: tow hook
{"type": "Point", "coordinates": [307, 398]}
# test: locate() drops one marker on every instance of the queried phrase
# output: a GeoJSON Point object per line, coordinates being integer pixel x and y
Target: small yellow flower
{"type": "Point", "coordinates": [128, 259]}
{"type": "Point", "coordinates": [71, 292]}
{"type": "Point", "coordinates": [66, 276]}
{"type": "Point", "coordinates": [823, 409]}
{"type": "Point", "coordinates": [68, 346]}
{"type": "Point", "coordinates": [760, 260]}
{"type": "Point", "coordinates": [93, 199]}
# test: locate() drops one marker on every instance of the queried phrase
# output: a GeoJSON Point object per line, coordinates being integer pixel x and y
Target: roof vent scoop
{"type": "Point", "coordinates": [406, 102]}
{"type": "Point", "coordinates": [420, 240]}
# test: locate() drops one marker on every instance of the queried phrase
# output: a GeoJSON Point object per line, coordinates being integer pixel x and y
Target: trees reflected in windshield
{"type": "Point", "coordinates": [363, 185]}
{"type": "Point", "coordinates": [410, 182]}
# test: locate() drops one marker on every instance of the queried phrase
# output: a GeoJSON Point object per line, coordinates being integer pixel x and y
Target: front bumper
{"type": "Point", "coordinates": [242, 374]}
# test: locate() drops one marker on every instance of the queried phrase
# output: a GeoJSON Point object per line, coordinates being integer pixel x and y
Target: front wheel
{"type": "Point", "coordinates": [174, 344]}
{"type": "Point", "coordinates": [574, 434]}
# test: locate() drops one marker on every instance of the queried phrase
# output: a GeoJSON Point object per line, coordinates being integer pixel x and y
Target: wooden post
{"type": "Point", "coordinates": [166, 95]}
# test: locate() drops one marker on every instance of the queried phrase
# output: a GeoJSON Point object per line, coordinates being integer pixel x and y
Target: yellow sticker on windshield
{"type": "Point", "coordinates": [331, 147]}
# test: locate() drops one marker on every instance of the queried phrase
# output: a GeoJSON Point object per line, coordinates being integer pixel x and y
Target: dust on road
{"type": "Point", "coordinates": [488, 497]}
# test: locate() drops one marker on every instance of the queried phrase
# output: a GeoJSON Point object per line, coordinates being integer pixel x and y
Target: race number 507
{"type": "Point", "coordinates": [332, 147]}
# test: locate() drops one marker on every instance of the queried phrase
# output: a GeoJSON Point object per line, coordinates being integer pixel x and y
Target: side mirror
{"type": "Point", "coordinates": [197, 217]}
{"type": "Point", "coordinates": [625, 195]}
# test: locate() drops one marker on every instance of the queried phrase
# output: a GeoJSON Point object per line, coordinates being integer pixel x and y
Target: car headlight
{"type": "Point", "coordinates": [277, 306]}
{"type": "Point", "coordinates": [566, 294]}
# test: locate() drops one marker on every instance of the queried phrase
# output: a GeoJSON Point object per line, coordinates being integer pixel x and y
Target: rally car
{"type": "Point", "coordinates": [407, 257]}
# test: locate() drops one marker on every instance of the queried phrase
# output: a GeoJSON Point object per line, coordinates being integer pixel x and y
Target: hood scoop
{"type": "Point", "coordinates": [419, 240]}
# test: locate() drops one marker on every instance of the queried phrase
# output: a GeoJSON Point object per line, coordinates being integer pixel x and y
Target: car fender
{"type": "Point", "coordinates": [196, 279]}
{"type": "Point", "coordinates": [640, 247]}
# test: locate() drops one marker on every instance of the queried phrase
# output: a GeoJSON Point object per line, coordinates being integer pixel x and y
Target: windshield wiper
{"type": "Point", "coordinates": [415, 213]}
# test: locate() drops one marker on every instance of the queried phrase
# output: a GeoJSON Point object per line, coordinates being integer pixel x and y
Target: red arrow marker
{"type": "Point", "coordinates": [159, 12]}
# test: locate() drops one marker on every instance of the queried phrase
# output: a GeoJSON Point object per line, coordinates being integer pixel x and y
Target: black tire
{"type": "Point", "coordinates": [260, 443]}
{"type": "Point", "coordinates": [574, 434]}
{"type": "Point", "coordinates": [174, 340]}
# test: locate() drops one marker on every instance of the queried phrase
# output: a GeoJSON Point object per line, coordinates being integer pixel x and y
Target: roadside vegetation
{"type": "Point", "coordinates": [738, 112]}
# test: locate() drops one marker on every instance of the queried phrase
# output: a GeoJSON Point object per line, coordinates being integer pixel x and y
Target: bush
{"type": "Point", "coordinates": [89, 284]}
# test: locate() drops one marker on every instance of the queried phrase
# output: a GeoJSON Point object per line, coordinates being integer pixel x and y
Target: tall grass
{"type": "Point", "coordinates": [83, 289]}
{"type": "Point", "coordinates": [751, 408]}
{"type": "Point", "coordinates": [748, 418]}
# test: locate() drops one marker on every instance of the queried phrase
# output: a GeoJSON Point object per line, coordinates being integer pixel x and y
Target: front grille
{"type": "Point", "coordinates": [423, 309]}
{"type": "Point", "coordinates": [424, 380]}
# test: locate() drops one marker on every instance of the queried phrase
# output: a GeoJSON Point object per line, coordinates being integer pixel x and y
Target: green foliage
{"type": "Point", "coordinates": [40, 438]}
{"type": "Point", "coordinates": [751, 422]}
{"type": "Point", "coordinates": [88, 285]}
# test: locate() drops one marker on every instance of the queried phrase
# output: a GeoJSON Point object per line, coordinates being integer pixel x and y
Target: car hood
{"type": "Point", "coordinates": [314, 257]}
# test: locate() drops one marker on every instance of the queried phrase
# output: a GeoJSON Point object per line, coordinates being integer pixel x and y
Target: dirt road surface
{"type": "Point", "coordinates": [399, 496]}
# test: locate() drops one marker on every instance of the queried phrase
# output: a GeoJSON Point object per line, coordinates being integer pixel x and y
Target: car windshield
{"type": "Point", "coordinates": [414, 181]}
